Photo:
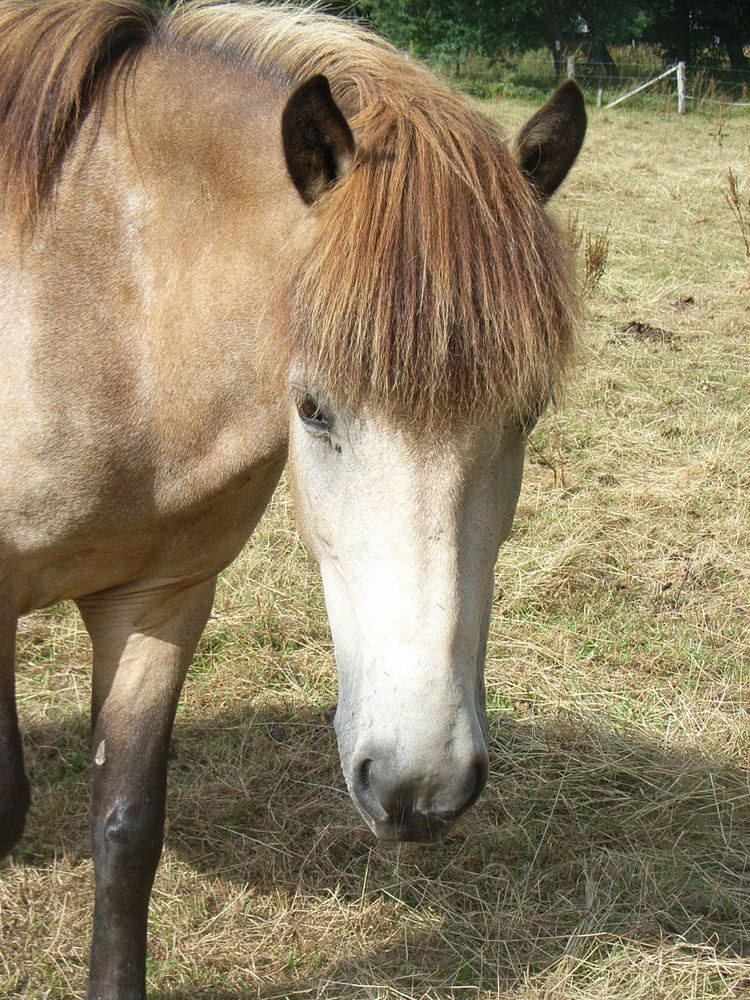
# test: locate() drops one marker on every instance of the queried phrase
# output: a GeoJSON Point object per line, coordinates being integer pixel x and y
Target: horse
{"type": "Point", "coordinates": [234, 236]}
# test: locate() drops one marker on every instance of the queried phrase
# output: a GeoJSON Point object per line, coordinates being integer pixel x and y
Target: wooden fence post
{"type": "Point", "coordinates": [681, 88]}
{"type": "Point", "coordinates": [571, 67]}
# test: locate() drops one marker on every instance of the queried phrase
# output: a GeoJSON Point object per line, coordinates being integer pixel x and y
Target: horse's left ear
{"type": "Point", "coordinates": [318, 143]}
{"type": "Point", "coordinates": [548, 143]}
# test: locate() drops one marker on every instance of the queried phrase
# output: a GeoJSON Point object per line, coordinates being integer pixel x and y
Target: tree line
{"type": "Point", "coordinates": [707, 33]}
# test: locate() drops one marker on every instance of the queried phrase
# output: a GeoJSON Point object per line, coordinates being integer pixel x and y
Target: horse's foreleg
{"type": "Point", "coordinates": [14, 788]}
{"type": "Point", "coordinates": [142, 649]}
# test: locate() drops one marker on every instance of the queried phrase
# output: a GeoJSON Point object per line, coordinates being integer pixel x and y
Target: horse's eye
{"type": "Point", "coordinates": [309, 410]}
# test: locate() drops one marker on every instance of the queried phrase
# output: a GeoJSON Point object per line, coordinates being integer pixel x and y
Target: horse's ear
{"type": "Point", "coordinates": [318, 143]}
{"type": "Point", "coordinates": [549, 142]}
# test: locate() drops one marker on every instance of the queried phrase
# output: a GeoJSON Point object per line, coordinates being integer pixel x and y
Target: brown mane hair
{"type": "Point", "coordinates": [437, 285]}
{"type": "Point", "coordinates": [52, 55]}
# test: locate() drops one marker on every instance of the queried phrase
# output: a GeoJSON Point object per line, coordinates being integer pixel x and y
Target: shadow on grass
{"type": "Point", "coordinates": [586, 836]}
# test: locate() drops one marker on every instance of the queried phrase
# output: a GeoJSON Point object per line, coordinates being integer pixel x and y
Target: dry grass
{"type": "Point", "coordinates": [739, 211]}
{"type": "Point", "coordinates": [609, 856]}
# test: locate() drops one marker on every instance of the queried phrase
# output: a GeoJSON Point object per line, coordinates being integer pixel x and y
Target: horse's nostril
{"type": "Point", "coordinates": [363, 792]}
{"type": "Point", "coordinates": [362, 775]}
{"type": "Point", "coordinates": [393, 796]}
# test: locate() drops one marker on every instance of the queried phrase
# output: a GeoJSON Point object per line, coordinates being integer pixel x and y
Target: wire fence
{"type": "Point", "coordinates": [705, 86]}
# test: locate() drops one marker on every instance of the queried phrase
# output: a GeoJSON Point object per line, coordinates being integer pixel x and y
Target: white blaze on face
{"type": "Point", "coordinates": [406, 528]}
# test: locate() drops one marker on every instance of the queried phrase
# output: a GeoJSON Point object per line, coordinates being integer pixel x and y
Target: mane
{"type": "Point", "coordinates": [437, 287]}
{"type": "Point", "coordinates": [52, 56]}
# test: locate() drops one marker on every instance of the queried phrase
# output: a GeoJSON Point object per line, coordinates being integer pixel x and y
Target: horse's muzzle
{"type": "Point", "coordinates": [399, 807]}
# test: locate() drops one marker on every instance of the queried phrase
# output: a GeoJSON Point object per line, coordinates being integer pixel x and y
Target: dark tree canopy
{"type": "Point", "coordinates": [694, 32]}
{"type": "Point", "coordinates": [704, 32]}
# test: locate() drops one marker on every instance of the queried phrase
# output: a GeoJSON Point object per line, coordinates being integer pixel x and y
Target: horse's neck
{"type": "Point", "coordinates": [176, 225]}
{"type": "Point", "coordinates": [204, 195]}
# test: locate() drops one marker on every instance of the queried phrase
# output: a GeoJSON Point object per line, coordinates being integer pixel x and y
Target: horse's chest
{"type": "Point", "coordinates": [96, 521]}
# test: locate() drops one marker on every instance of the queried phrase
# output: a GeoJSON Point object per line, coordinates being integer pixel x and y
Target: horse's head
{"type": "Point", "coordinates": [406, 528]}
{"type": "Point", "coordinates": [403, 497]}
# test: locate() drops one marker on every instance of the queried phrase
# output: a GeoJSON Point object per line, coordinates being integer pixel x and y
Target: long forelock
{"type": "Point", "coordinates": [437, 285]}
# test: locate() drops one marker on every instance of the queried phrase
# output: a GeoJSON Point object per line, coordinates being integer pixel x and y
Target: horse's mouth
{"type": "Point", "coordinates": [414, 827]}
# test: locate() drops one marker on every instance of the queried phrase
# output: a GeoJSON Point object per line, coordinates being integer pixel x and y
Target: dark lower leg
{"type": "Point", "coordinates": [14, 788]}
{"type": "Point", "coordinates": [127, 829]}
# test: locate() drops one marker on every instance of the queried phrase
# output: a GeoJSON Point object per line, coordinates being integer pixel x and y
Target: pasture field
{"type": "Point", "coordinates": [609, 855]}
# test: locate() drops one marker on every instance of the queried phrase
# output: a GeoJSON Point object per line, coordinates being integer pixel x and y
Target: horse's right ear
{"type": "Point", "coordinates": [318, 143]}
{"type": "Point", "coordinates": [548, 143]}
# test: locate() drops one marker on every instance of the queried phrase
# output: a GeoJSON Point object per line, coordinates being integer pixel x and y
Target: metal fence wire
{"type": "Point", "coordinates": [703, 85]}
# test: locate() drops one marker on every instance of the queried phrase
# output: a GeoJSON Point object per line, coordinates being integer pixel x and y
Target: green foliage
{"type": "Point", "coordinates": [452, 27]}
{"type": "Point", "coordinates": [711, 32]}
